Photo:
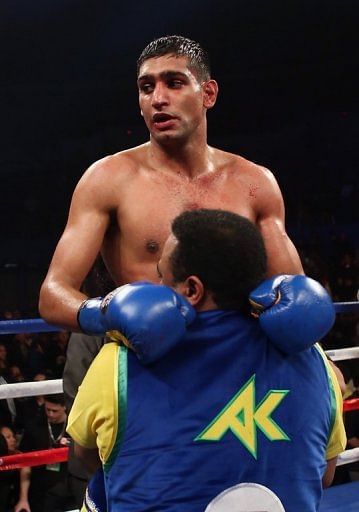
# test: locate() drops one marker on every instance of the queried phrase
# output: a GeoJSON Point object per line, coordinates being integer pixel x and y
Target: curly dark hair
{"type": "Point", "coordinates": [226, 251]}
{"type": "Point", "coordinates": [179, 46]}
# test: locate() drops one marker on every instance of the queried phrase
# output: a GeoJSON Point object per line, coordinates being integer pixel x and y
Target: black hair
{"type": "Point", "coordinates": [225, 250]}
{"type": "Point", "coordinates": [3, 446]}
{"type": "Point", "coordinates": [58, 399]}
{"type": "Point", "coordinates": [179, 46]}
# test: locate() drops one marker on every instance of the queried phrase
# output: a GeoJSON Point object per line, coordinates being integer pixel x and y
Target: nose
{"type": "Point", "coordinates": [160, 96]}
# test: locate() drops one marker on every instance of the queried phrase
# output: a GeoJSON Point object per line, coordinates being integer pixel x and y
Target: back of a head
{"type": "Point", "coordinates": [179, 46]}
{"type": "Point", "coordinates": [225, 250]}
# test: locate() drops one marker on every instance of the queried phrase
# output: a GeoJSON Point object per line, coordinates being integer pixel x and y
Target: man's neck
{"type": "Point", "coordinates": [190, 160]}
{"type": "Point", "coordinates": [206, 304]}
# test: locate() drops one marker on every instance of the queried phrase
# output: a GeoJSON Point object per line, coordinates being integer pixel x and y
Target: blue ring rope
{"type": "Point", "coordinates": [27, 325]}
{"type": "Point", "coordinates": [346, 307]}
{"type": "Point", "coordinates": [38, 325]}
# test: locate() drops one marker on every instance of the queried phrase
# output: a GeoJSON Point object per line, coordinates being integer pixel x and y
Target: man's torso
{"type": "Point", "coordinates": [148, 199]}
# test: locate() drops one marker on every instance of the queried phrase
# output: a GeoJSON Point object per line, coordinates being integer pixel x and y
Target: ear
{"type": "Point", "coordinates": [193, 290]}
{"type": "Point", "coordinates": [141, 112]}
{"type": "Point", "coordinates": [210, 93]}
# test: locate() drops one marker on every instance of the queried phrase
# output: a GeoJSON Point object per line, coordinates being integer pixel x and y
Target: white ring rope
{"type": "Point", "coordinates": [348, 457]}
{"type": "Point", "coordinates": [21, 389]}
{"type": "Point", "coordinates": [50, 387]}
{"type": "Point", "coordinates": [342, 354]}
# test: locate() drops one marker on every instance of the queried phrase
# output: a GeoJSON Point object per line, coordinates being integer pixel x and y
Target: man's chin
{"type": "Point", "coordinates": [167, 137]}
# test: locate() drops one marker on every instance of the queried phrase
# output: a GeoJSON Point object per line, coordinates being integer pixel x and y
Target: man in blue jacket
{"type": "Point", "coordinates": [224, 405]}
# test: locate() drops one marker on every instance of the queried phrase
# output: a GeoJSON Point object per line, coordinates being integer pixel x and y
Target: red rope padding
{"type": "Point", "coordinates": [351, 405]}
{"type": "Point", "coordinates": [24, 460]}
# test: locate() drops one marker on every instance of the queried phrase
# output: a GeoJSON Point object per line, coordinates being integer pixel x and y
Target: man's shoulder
{"type": "Point", "coordinates": [239, 164]}
{"type": "Point", "coordinates": [112, 175]}
{"type": "Point", "coordinates": [121, 164]}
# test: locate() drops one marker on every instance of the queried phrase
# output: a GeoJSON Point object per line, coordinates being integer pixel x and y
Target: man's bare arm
{"type": "Point", "coordinates": [23, 503]}
{"type": "Point", "coordinates": [60, 295]}
{"type": "Point", "coordinates": [89, 456]}
{"type": "Point", "coordinates": [329, 472]}
{"type": "Point", "coordinates": [282, 255]}
{"type": "Point", "coordinates": [340, 377]}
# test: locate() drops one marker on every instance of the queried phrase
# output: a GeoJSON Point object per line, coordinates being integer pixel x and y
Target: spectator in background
{"type": "Point", "coordinates": [15, 374]}
{"type": "Point", "coordinates": [31, 409]}
{"type": "Point", "coordinates": [9, 480]}
{"type": "Point", "coordinates": [4, 363]}
{"type": "Point", "coordinates": [5, 479]}
{"type": "Point", "coordinates": [7, 408]}
{"type": "Point", "coordinates": [44, 488]}
{"type": "Point", "coordinates": [57, 352]}
{"type": "Point", "coordinates": [37, 357]}
{"type": "Point", "coordinates": [9, 435]}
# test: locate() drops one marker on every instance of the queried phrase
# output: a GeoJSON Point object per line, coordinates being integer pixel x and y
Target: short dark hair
{"type": "Point", "coordinates": [225, 250]}
{"type": "Point", "coordinates": [179, 46]}
{"type": "Point", "coordinates": [58, 399]}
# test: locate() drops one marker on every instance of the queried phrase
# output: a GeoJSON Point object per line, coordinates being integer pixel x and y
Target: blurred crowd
{"type": "Point", "coordinates": [33, 423]}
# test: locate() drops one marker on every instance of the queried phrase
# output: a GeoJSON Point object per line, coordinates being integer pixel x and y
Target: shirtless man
{"type": "Point", "coordinates": [124, 204]}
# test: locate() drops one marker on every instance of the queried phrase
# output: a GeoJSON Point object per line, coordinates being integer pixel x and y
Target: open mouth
{"type": "Point", "coordinates": [161, 117]}
{"type": "Point", "coordinates": [163, 121]}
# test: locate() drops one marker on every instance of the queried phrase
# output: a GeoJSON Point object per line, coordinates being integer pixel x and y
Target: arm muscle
{"type": "Point", "coordinates": [282, 255]}
{"type": "Point", "coordinates": [60, 295]}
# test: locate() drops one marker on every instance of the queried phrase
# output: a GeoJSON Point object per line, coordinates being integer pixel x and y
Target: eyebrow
{"type": "Point", "coordinates": [164, 74]}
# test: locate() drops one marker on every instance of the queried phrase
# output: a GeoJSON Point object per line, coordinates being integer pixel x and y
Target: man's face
{"type": "Point", "coordinates": [170, 98]}
{"type": "Point", "coordinates": [10, 438]}
{"type": "Point", "coordinates": [55, 412]}
{"type": "Point", "coordinates": [191, 288]}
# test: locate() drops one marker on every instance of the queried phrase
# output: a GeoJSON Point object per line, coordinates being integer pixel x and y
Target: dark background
{"type": "Point", "coordinates": [288, 100]}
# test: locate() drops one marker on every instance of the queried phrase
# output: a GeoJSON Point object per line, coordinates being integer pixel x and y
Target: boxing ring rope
{"type": "Point", "coordinates": [343, 354]}
{"type": "Point", "coordinates": [22, 389]}
{"type": "Point", "coordinates": [346, 307]}
{"type": "Point", "coordinates": [38, 325]}
{"type": "Point", "coordinates": [26, 389]}
{"type": "Point", "coordinates": [27, 325]}
{"type": "Point", "coordinates": [37, 458]}
{"type": "Point", "coordinates": [348, 456]}
{"type": "Point", "coordinates": [351, 405]}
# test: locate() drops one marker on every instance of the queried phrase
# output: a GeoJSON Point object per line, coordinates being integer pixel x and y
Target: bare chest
{"type": "Point", "coordinates": [146, 210]}
{"type": "Point", "coordinates": [150, 208]}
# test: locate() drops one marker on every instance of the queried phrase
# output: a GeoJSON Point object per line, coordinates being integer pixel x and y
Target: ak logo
{"type": "Point", "coordinates": [243, 417]}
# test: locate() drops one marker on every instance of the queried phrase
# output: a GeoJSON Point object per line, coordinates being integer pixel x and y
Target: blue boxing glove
{"type": "Point", "coordinates": [294, 311]}
{"type": "Point", "coordinates": [151, 317]}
